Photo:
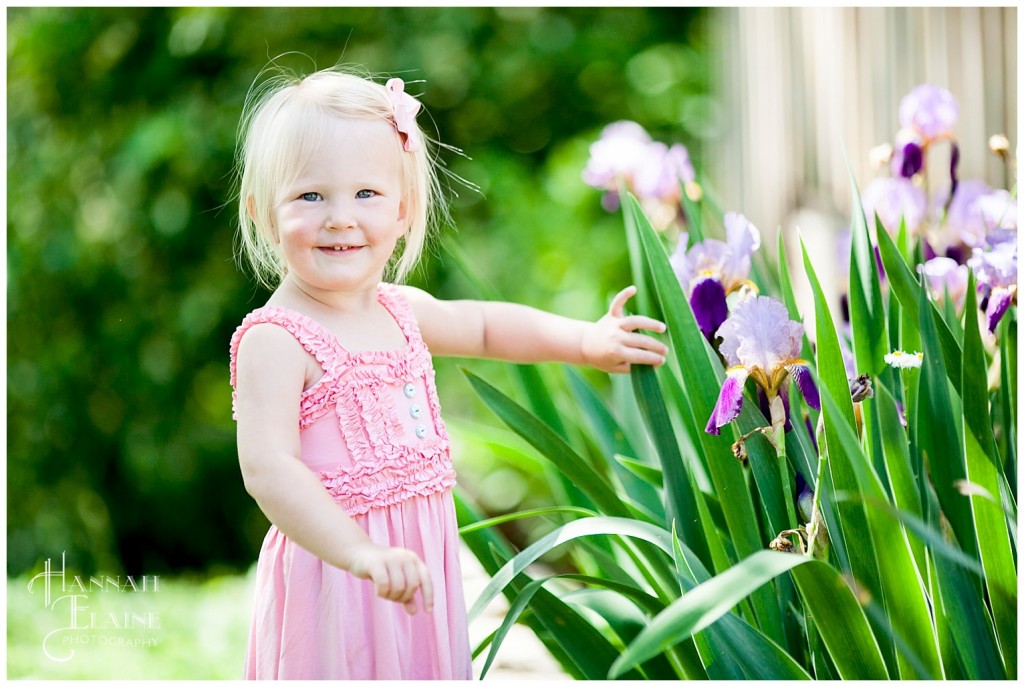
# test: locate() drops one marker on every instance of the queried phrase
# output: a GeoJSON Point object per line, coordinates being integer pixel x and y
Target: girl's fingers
{"type": "Point", "coordinates": [427, 591]}
{"type": "Point", "coordinates": [619, 302]}
{"type": "Point", "coordinates": [418, 578]}
{"type": "Point", "coordinates": [396, 575]}
{"type": "Point", "coordinates": [634, 322]}
{"type": "Point", "coordinates": [409, 589]}
{"type": "Point", "coordinates": [644, 343]}
{"type": "Point", "coordinates": [396, 588]}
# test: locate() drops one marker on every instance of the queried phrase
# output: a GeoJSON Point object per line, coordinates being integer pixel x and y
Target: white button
{"type": "Point", "coordinates": [409, 390]}
{"type": "Point", "coordinates": [421, 431]}
{"type": "Point", "coordinates": [415, 411]}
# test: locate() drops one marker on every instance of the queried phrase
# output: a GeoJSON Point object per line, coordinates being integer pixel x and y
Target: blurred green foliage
{"type": "Point", "coordinates": [122, 288]}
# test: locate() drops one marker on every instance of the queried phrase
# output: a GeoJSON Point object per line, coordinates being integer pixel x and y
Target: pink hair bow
{"type": "Point", "coordinates": [405, 108]}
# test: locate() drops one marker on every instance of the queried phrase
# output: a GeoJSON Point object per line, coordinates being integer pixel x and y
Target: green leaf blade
{"type": "Point", "coordinates": [867, 314]}
{"type": "Point", "coordinates": [550, 445]}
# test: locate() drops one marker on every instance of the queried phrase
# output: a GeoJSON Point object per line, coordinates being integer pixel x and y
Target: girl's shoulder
{"type": "Point", "coordinates": [279, 331]}
{"type": "Point", "coordinates": [401, 293]}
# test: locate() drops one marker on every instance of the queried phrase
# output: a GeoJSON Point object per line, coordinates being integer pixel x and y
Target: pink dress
{"type": "Point", "coordinates": [371, 429]}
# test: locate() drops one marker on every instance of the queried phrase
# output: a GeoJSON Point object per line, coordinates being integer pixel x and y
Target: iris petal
{"type": "Point", "coordinates": [759, 334]}
{"type": "Point", "coordinates": [802, 376]}
{"type": "Point", "coordinates": [709, 306]}
{"type": "Point", "coordinates": [730, 401]}
{"type": "Point", "coordinates": [911, 161]}
{"type": "Point", "coordinates": [998, 303]}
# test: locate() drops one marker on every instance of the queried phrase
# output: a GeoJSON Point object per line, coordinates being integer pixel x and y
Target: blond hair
{"type": "Point", "coordinates": [282, 124]}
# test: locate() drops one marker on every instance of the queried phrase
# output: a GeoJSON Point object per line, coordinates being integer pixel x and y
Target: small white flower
{"type": "Point", "coordinates": [900, 360]}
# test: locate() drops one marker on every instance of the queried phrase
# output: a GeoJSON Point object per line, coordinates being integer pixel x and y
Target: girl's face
{"type": "Point", "coordinates": [339, 222]}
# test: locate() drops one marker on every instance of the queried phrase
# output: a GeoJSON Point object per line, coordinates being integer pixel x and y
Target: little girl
{"type": "Point", "coordinates": [340, 437]}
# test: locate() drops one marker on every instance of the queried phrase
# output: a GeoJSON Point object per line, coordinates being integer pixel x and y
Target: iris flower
{"type": "Point", "coordinates": [615, 156]}
{"type": "Point", "coordinates": [892, 199]}
{"type": "Point", "coordinates": [761, 342]}
{"type": "Point", "coordinates": [712, 269]}
{"type": "Point", "coordinates": [929, 111]}
{"type": "Point", "coordinates": [996, 271]}
{"type": "Point", "coordinates": [927, 114]}
{"type": "Point", "coordinates": [945, 276]}
{"type": "Point", "coordinates": [625, 154]}
{"type": "Point", "coordinates": [998, 210]}
{"type": "Point", "coordinates": [964, 217]}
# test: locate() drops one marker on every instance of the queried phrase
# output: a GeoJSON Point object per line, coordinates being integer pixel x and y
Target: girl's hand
{"type": "Point", "coordinates": [611, 344]}
{"type": "Point", "coordinates": [396, 573]}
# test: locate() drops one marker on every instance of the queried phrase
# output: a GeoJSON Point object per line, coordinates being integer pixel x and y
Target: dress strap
{"type": "Point", "coordinates": [392, 298]}
{"type": "Point", "coordinates": [314, 338]}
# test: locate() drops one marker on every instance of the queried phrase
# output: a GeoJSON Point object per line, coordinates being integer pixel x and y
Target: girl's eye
{"type": "Point", "coordinates": [311, 196]}
{"type": "Point", "coordinates": [365, 193]}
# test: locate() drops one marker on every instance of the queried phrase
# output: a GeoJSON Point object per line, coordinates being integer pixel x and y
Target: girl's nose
{"type": "Point", "coordinates": [340, 216]}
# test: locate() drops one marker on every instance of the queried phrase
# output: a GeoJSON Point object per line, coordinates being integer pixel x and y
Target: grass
{"type": "Point", "coordinates": [186, 629]}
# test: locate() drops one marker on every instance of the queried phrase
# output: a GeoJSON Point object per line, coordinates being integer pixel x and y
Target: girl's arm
{"type": "Point", "coordinates": [518, 333]}
{"type": "Point", "coordinates": [271, 370]}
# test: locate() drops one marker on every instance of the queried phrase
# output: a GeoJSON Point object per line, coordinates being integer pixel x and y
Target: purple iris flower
{"type": "Point", "coordinates": [944, 275]}
{"type": "Point", "coordinates": [929, 110]}
{"type": "Point", "coordinates": [616, 154]}
{"type": "Point", "coordinates": [661, 170]}
{"type": "Point", "coordinates": [996, 271]}
{"type": "Point", "coordinates": [712, 269]}
{"type": "Point", "coordinates": [613, 159]}
{"type": "Point", "coordinates": [964, 217]}
{"type": "Point", "coordinates": [892, 199]}
{"type": "Point", "coordinates": [626, 154]}
{"type": "Point", "coordinates": [761, 342]}
{"type": "Point", "coordinates": [998, 210]}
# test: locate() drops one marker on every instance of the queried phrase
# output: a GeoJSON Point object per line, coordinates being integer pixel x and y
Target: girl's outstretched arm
{"type": "Point", "coordinates": [288, 492]}
{"type": "Point", "coordinates": [518, 333]}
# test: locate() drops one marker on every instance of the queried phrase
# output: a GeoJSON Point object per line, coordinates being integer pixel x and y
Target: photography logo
{"type": "Point", "coordinates": [67, 597]}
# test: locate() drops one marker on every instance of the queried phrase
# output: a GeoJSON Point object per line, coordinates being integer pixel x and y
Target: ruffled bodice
{"type": "Point", "coordinates": [371, 426]}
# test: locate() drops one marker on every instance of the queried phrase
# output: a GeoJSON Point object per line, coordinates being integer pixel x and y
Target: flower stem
{"type": "Point", "coordinates": [778, 440]}
{"type": "Point", "coordinates": [787, 488]}
{"type": "Point", "coordinates": [812, 527]}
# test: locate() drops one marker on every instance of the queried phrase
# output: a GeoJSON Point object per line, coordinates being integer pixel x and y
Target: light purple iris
{"type": "Point", "coordinates": [929, 110]}
{"type": "Point", "coordinates": [964, 217]}
{"type": "Point", "coordinates": [626, 154]}
{"type": "Point", "coordinates": [892, 199]}
{"type": "Point", "coordinates": [998, 210]}
{"type": "Point", "coordinates": [661, 170]}
{"type": "Point", "coordinates": [613, 157]}
{"type": "Point", "coordinates": [712, 269]}
{"type": "Point", "coordinates": [760, 341]}
{"type": "Point", "coordinates": [996, 271]}
{"type": "Point", "coordinates": [944, 275]}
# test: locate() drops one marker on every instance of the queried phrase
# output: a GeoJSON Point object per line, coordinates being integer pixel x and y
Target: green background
{"type": "Point", "coordinates": [122, 288]}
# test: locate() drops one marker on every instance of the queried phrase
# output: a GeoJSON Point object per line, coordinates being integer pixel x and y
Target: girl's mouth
{"type": "Point", "coordinates": [339, 249]}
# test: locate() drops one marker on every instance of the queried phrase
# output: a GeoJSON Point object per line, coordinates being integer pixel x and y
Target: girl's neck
{"type": "Point", "coordinates": [358, 320]}
{"type": "Point", "coordinates": [293, 295]}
